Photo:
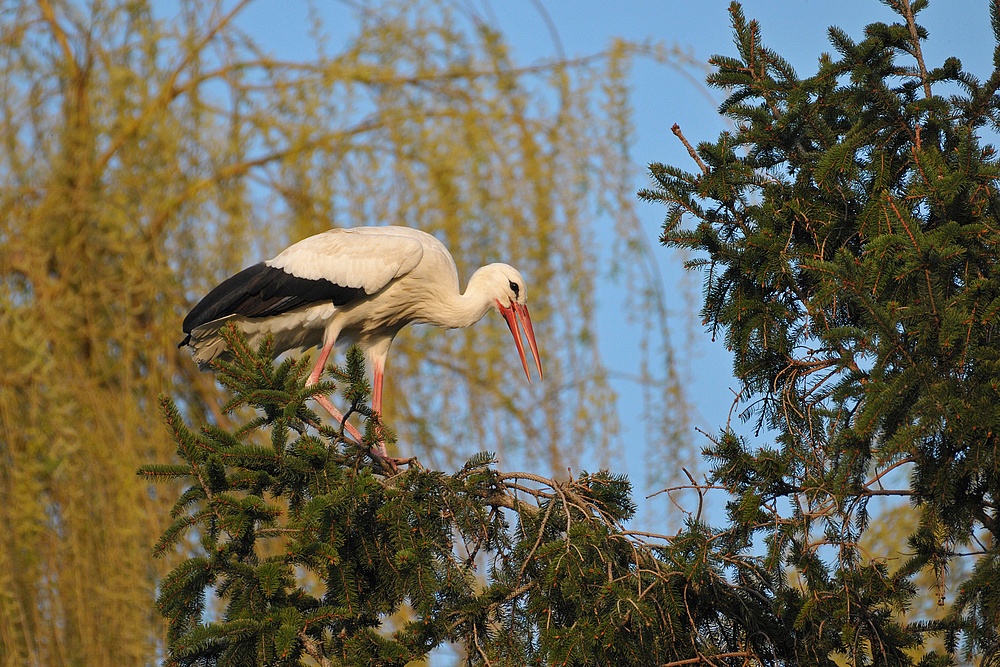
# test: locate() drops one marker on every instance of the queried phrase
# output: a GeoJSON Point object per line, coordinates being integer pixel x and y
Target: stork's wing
{"type": "Point", "coordinates": [365, 257]}
{"type": "Point", "coordinates": [262, 291]}
{"type": "Point", "coordinates": [337, 266]}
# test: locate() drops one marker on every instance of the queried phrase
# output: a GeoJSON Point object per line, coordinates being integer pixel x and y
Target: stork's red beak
{"type": "Point", "coordinates": [516, 315]}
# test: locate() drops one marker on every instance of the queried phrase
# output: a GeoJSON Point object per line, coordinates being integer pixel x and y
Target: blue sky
{"type": "Point", "coordinates": [661, 97]}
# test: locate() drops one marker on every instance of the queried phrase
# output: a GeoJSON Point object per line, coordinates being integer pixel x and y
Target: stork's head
{"type": "Point", "coordinates": [506, 287]}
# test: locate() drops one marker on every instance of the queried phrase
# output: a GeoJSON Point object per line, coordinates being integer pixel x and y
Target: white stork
{"type": "Point", "coordinates": [359, 285]}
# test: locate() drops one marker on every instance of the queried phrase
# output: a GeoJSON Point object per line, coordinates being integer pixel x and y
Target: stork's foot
{"type": "Point", "coordinates": [411, 461]}
{"type": "Point", "coordinates": [379, 452]}
{"type": "Point", "coordinates": [392, 463]}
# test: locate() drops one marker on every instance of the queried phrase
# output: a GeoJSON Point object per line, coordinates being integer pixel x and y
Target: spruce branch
{"type": "Point", "coordinates": [905, 9]}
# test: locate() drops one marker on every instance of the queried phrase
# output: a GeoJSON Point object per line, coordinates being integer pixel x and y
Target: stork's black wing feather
{"type": "Point", "coordinates": [263, 291]}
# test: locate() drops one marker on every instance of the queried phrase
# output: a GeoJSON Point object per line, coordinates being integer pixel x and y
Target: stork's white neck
{"type": "Point", "coordinates": [457, 311]}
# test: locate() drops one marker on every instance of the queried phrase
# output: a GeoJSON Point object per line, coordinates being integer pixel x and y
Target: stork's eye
{"type": "Point", "coordinates": [514, 288]}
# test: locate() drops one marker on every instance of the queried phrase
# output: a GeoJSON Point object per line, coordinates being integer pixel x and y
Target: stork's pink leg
{"type": "Point", "coordinates": [348, 426]}
{"type": "Point", "coordinates": [314, 376]}
{"type": "Point", "coordinates": [378, 371]}
{"type": "Point", "coordinates": [317, 370]}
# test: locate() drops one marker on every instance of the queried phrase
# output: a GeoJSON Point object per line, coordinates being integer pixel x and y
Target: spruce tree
{"type": "Point", "coordinates": [848, 229]}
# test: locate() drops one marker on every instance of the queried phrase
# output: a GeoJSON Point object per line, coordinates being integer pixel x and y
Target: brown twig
{"type": "Point", "coordinates": [707, 659]}
{"type": "Point", "coordinates": [911, 24]}
{"type": "Point", "coordinates": [312, 649]}
{"type": "Point", "coordinates": [676, 129]}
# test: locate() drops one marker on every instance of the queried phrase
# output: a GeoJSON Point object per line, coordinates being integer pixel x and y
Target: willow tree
{"type": "Point", "coordinates": [145, 156]}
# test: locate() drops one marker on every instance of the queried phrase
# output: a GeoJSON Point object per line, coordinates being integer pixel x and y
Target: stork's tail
{"type": "Point", "coordinates": [206, 342]}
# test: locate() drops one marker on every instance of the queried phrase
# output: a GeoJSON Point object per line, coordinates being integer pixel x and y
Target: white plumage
{"type": "Point", "coordinates": [359, 285]}
{"type": "Point", "coordinates": [367, 257]}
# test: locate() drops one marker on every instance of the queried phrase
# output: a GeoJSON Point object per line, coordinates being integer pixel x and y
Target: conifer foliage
{"type": "Point", "coordinates": [303, 549]}
{"type": "Point", "coordinates": [849, 233]}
